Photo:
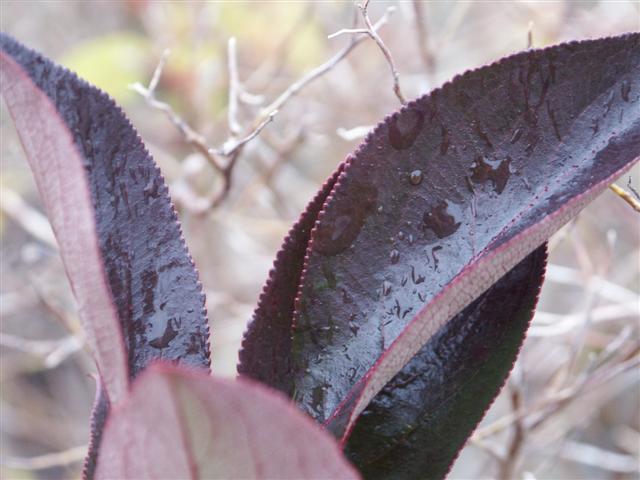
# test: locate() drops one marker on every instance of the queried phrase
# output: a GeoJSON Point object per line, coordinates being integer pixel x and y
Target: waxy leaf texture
{"type": "Point", "coordinates": [419, 421]}
{"type": "Point", "coordinates": [135, 283]}
{"type": "Point", "coordinates": [440, 201]}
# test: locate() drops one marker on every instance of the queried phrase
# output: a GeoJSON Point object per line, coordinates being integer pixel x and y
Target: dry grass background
{"type": "Point", "coordinates": [570, 409]}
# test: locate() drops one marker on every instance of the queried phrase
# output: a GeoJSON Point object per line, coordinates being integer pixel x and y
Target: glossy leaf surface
{"type": "Point", "coordinates": [417, 424]}
{"type": "Point", "coordinates": [445, 197]}
{"type": "Point", "coordinates": [132, 276]}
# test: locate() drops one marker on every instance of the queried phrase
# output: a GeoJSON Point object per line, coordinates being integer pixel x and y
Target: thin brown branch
{"type": "Point", "coordinates": [626, 196]}
{"type": "Point", "coordinates": [510, 461]}
{"type": "Point", "coordinates": [231, 145]}
{"type": "Point", "coordinates": [536, 414]}
{"type": "Point", "coordinates": [371, 31]}
{"type": "Point", "coordinates": [192, 137]}
{"type": "Point", "coordinates": [224, 158]}
{"type": "Point", "coordinates": [530, 36]}
{"type": "Point", "coordinates": [320, 70]}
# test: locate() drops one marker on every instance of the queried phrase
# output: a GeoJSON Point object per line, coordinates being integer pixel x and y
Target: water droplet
{"type": "Point", "coordinates": [386, 288]}
{"type": "Point", "coordinates": [415, 177]}
{"type": "Point", "coordinates": [482, 172]}
{"type": "Point", "coordinates": [439, 221]}
{"type": "Point", "coordinates": [516, 135]}
{"type": "Point", "coordinates": [394, 256]}
{"type": "Point", "coordinates": [625, 89]}
{"type": "Point", "coordinates": [353, 326]}
{"type": "Point", "coordinates": [444, 146]}
{"type": "Point", "coordinates": [401, 236]}
{"type": "Point", "coordinates": [380, 209]}
{"type": "Point", "coordinates": [170, 332]}
{"type": "Point", "coordinates": [341, 225]}
{"type": "Point", "coordinates": [416, 279]}
{"type": "Point", "coordinates": [405, 127]}
{"type": "Point", "coordinates": [435, 258]}
{"type": "Point", "coordinates": [483, 135]}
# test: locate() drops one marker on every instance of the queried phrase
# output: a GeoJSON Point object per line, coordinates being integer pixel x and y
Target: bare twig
{"type": "Point", "coordinates": [234, 126]}
{"type": "Point", "coordinates": [633, 190]}
{"type": "Point", "coordinates": [58, 459]}
{"type": "Point", "coordinates": [347, 31]}
{"type": "Point", "coordinates": [354, 133]}
{"type": "Point", "coordinates": [538, 413]}
{"type": "Point", "coordinates": [52, 352]}
{"type": "Point", "coordinates": [508, 465]}
{"type": "Point", "coordinates": [30, 219]}
{"type": "Point", "coordinates": [223, 159]}
{"type": "Point", "coordinates": [530, 36]}
{"type": "Point", "coordinates": [626, 196]}
{"type": "Point", "coordinates": [423, 40]}
{"type": "Point", "coordinates": [320, 70]}
{"type": "Point", "coordinates": [193, 138]}
{"type": "Point", "coordinates": [371, 31]}
{"type": "Point", "coordinates": [231, 145]}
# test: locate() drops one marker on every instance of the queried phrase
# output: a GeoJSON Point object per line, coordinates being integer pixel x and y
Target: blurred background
{"type": "Point", "coordinates": [571, 407]}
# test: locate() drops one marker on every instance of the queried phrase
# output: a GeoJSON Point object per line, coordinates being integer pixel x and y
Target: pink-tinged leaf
{"type": "Point", "coordinates": [442, 200]}
{"type": "Point", "coordinates": [266, 347]}
{"type": "Point", "coordinates": [134, 281]}
{"type": "Point", "coordinates": [184, 424]}
{"type": "Point", "coordinates": [418, 422]}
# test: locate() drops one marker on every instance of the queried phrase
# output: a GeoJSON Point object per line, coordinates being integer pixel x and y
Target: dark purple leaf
{"type": "Point", "coordinates": [443, 199]}
{"type": "Point", "coordinates": [137, 290]}
{"type": "Point", "coordinates": [266, 348]}
{"type": "Point", "coordinates": [182, 424]}
{"type": "Point", "coordinates": [508, 153]}
{"type": "Point", "coordinates": [87, 157]}
{"type": "Point", "coordinates": [418, 422]}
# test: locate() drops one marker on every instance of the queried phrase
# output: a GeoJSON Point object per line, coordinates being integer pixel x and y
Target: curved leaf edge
{"type": "Point", "coordinates": [291, 253]}
{"type": "Point", "coordinates": [99, 414]}
{"type": "Point", "coordinates": [163, 189]}
{"type": "Point", "coordinates": [515, 359]}
{"type": "Point", "coordinates": [363, 390]}
{"type": "Point", "coordinates": [524, 317]}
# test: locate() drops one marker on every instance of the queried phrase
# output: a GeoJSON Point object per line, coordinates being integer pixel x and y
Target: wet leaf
{"type": "Point", "coordinates": [507, 154]}
{"type": "Point", "coordinates": [185, 424]}
{"type": "Point", "coordinates": [137, 290]}
{"type": "Point", "coordinates": [259, 356]}
{"type": "Point", "coordinates": [419, 421]}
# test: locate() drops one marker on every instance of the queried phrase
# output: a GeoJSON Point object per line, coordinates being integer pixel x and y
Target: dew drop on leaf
{"type": "Point", "coordinates": [440, 221]}
{"type": "Point", "coordinates": [415, 177]}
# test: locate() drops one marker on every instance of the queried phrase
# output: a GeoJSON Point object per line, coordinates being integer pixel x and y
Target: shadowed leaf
{"type": "Point", "coordinates": [418, 422]}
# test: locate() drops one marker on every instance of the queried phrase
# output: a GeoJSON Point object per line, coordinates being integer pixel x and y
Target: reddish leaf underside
{"type": "Point", "coordinates": [185, 424]}
{"type": "Point", "coordinates": [444, 198]}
